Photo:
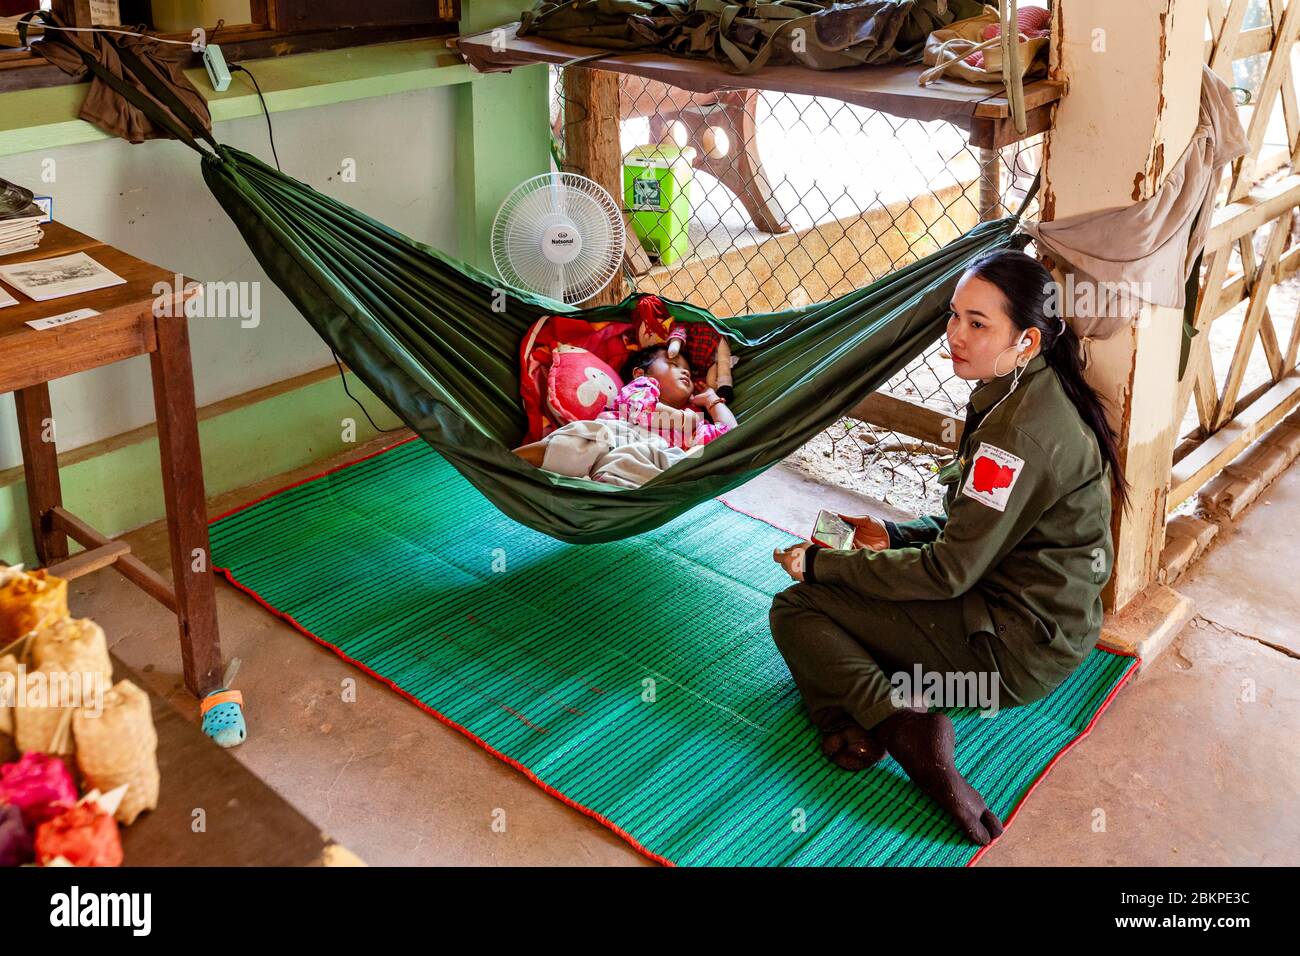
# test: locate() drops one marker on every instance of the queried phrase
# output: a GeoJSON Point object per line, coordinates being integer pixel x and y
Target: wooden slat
{"type": "Point", "coordinates": [128, 565]}
{"type": "Point", "coordinates": [1267, 333]}
{"type": "Point", "coordinates": [1226, 40]}
{"type": "Point", "coordinates": [1250, 325]}
{"type": "Point", "coordinates": [1212, 455]}
{"type": "Point", "coordinates": [1279, 69]}
{"type": "Point", "coordinates": [1290, 112]}
{"type": "Point", "coordinates": [92, 559]}
{"type": "Point", "coordinates": [1289, 360]}
{"type": "Point", "coordinates": [1216, 263]}
{"type": "Point", "coordinates": [1242, 217]}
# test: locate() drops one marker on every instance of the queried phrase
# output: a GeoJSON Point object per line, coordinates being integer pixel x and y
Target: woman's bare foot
{"type": "Point", "coordinates": [924, 744]}
{"type": "Point", "coordinates": [853, 748]}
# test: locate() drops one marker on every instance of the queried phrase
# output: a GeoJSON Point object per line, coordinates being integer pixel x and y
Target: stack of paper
{"type": "Point", "coordinates": [20, 219]}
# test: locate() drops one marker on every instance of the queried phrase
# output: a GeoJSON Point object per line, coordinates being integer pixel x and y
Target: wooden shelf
{"type": "Point", "coordinates": [983, 111]}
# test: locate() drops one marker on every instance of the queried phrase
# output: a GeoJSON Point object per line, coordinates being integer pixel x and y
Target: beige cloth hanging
{"type": "Point", "coordinates": [1148, 248]}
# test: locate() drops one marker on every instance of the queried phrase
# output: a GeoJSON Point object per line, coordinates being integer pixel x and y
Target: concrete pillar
{"type": "Point", "coordinates": [1134, 72]}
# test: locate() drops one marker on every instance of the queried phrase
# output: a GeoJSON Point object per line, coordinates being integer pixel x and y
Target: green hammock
{"type": "Point", "coordinates": [419, 329]}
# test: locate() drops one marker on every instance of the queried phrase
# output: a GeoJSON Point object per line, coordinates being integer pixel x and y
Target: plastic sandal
{"type": "Point", "coordinates": [223, 717]}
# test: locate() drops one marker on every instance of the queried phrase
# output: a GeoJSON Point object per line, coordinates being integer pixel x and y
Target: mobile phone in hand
{"type": "Point", "coordinates": [832, 531]}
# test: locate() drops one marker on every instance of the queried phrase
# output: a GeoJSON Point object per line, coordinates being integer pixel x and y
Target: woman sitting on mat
{"type": "Point", "coordinates": [651, 425]}
{"type": "Point", "coordinates": [1005, 584]}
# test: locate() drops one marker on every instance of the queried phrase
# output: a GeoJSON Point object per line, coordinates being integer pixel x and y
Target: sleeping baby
{"type": "Point", "coordinates": [652, 425]}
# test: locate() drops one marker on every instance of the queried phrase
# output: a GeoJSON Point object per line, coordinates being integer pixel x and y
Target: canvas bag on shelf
{"type": "Point", "coordinates": [946, 51]}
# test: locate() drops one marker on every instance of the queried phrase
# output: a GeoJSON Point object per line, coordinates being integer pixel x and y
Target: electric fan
{"type": "Point", "coordinates": [558, 234]}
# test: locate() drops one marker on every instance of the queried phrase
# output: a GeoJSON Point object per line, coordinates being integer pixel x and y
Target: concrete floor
{"type": "Point", "coordinates": [1195, 762]}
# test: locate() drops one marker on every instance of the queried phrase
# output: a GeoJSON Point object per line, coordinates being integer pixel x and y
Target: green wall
{"type": "Point", "coordinates": [501, 137]}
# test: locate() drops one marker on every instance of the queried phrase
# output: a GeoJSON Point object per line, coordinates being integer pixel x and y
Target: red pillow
{"type": "Point", "coordinates": [579, 386]}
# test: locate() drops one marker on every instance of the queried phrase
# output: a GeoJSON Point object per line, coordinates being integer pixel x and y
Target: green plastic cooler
{"type": "Point", "coordinates": [657, 194]}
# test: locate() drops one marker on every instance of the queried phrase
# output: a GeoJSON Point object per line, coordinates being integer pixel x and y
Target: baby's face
{"type": "Point", "coordinates": [674, 378]}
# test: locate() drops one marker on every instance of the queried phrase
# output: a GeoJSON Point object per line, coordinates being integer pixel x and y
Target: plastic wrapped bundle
{"type": "Point", "coordinates": [15, 841]}
{"type": "Point", "coordinates": [120, 746]}
{"type": "Point", "coordinates": [84, 836]}
{"type": "Point", "coordinates": [74, 647]}
{"type": "Point", "coordinates": [70, 668]}
{"type": "Point", "coordinates": [43, 716]}
{"type": "Point", "coordinates": [29, 600]}
{"type": "Point", "coordinates": [38, 785]}
{"type": "Point", "coordinates": [9, 674]}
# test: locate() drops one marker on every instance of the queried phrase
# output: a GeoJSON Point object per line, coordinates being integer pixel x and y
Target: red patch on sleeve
{"type": "Point", "coordinates": [989, 475]}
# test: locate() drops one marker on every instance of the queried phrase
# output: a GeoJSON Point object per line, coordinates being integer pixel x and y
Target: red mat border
{"type": "Point", "coordinates": [599, 818]}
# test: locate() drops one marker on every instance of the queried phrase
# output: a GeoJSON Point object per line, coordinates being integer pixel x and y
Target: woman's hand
{"type": "Point", "coordinates": [792, 559]}
{"type": "Point", "coordinates": [869, 532]}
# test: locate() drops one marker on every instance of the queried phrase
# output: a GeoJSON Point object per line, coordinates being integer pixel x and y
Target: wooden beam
{"type": "Point", "coordinates": [1247, 214]}
{"type": "Point", "coordinates": [127, 565]}
{"type": "Point", "coordinates": [1216, 263]}
{"type": "Point", "coordinates": [909, 417]}
{"type": "Point", "coordinates": [92, 559]}
{"type": "Point", "coordinates": [1251, 325]}
{"type": "Point", "coordinates": [1212, 455]}
{"type": "Point", "coordinates": [1278, 70]}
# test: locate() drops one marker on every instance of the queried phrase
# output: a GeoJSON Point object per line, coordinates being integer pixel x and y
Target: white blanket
{"type": "Point", "coordinates": [612, 451]}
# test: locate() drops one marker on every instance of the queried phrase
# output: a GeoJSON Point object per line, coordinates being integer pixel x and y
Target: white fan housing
{"type": "Point", "coordinates": [559, 234]}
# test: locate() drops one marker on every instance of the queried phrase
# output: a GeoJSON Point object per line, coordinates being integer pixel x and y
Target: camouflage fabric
{"type": "Point", "coordinates": [744, 37]}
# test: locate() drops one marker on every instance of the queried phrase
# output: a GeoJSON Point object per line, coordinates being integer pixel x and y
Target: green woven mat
{"type": "Point", "coordinates": [636, 680]}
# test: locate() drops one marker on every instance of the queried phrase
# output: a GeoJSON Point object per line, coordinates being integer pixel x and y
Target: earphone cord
{"type": "Point", "coordinates": [1015, 381]}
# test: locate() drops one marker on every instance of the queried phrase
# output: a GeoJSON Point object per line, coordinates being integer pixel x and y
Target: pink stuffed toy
{"type": "Point", "coordinates": [579, 386]}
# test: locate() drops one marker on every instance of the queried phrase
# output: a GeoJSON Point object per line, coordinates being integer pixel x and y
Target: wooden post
{"type": "Point", "coordinates": [75, 13]}
{"type": "Point", "coordinates": [1147, 58]}
{"type": "Point", "coordinates": [41, 469]}
{"type": "Point", "coordinates": [187, 523]}
{"type": "Point", "coordinates": [990, 196]}
{"type": "Point", "coordinates": [591, 144]}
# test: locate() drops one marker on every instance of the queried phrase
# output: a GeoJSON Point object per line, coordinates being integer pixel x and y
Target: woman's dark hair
{"type": "Point", "coordinates": [1031, 300]}
{"type": "Point", "coordinates": [640, 359]}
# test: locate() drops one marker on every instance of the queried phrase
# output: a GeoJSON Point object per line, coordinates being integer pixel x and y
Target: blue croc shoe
{"type": "Point", "coordinates": [223, 717]}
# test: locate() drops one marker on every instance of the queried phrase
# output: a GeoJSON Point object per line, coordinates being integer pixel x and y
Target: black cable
{"type": "Point", "coordinates": [270, 135]}
{"type": "Point", "coordinates": [344, 380]}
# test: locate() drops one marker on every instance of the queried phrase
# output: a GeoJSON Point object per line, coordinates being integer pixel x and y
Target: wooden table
{"type": "Point", "coordinates": [125, 327]}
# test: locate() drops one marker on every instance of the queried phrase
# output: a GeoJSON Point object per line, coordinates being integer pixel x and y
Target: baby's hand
{"type": "Point", "coordinates": [702, 399]}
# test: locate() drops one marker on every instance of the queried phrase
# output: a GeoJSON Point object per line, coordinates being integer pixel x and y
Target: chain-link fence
{"type": "Point", "coordinates": [747, 201]}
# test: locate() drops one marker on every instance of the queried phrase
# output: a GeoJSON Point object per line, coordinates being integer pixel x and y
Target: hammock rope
{"type": "Point", "coordinates": [418, 327]}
